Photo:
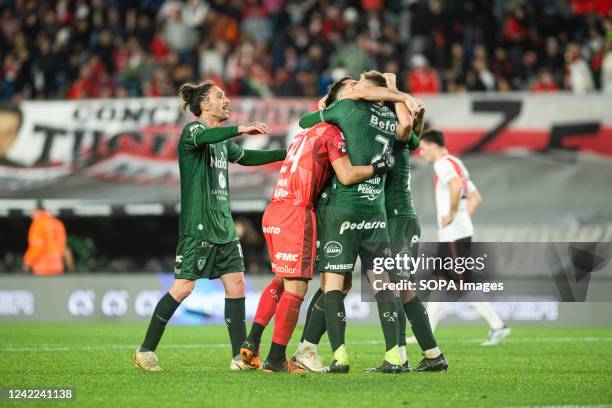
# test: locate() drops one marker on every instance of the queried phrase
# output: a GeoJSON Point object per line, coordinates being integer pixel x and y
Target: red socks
{"type": "Point", "coordinates": [286, 317]}
{"type": "Point", "coordinates": [267, 302]}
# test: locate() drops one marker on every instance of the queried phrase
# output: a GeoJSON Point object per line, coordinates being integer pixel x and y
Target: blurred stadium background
{"type": "Point", "coordinates": [89, 123]}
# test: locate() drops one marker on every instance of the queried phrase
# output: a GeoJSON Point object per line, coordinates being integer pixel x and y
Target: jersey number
{"type": "Point", "coordinates": [295, 151]}
{"type": "Point", "coordinates": [385, 143]}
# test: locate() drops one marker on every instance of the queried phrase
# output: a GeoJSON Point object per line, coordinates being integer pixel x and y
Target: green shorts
{"type": "Point", "coordinates": [342, 234]}
{"type": "Point", "coordinates": [197, 259]}
{"type": "Point", "coordinates": [404, 235]}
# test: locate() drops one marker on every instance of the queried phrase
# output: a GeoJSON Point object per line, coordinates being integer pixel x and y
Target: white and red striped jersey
{"type": "Point", "coordinates": [445, 169]}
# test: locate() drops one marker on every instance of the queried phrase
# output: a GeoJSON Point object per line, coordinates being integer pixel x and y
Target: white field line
{"type": "Point", "coordinates": [96, 347]}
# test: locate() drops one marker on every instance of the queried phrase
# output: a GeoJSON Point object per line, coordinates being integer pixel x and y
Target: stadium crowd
{"type": "Point", "coordinates": [98, 49]}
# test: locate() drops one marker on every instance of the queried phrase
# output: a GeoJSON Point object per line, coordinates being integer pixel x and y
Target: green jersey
{"type": "Point", "coordinates": [370, 129]}
{"type": "Point", "coordinates": [398, 198]}
{"type": "Point", "coordinates": [205, 205]}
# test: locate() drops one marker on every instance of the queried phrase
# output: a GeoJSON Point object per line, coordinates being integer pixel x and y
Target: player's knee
{"type": "Point", "coordinates": [407, 296]}
{"type": "Point", "coordinates": [235, 288]}
{"type": "Point", "coordinates": [180, 291]}
{"type": "Point", "coordinates": [348, 284]}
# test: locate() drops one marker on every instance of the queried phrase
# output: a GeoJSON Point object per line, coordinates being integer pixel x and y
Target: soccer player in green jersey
{"type": "Point", "coordinates": [404, 233]}
{"type": "Point", "coordinates": [208, 246]}
{"type": "Point", "coordinates": [352, 219]}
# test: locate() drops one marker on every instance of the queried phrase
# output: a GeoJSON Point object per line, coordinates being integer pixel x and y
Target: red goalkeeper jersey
{"type": "Point", "coordinates": [307, 167]}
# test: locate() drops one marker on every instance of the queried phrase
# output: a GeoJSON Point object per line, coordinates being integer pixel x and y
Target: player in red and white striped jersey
{"type": "Point", "coordinates": [456, 201]}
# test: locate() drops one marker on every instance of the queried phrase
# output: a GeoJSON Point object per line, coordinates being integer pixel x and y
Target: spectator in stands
{"type": "Point", "coordinates": [52, 49]}
{"type": "Point", "coordinates": [422, 79]}
{"type": "Point", "coordinates": [579, 78]}
{"type": "Point", "coordinates": [545, 82]}
{"type": "Point", "coordinates": [47, 252]}
{"type": "Point", "coordinates": [606, 68]}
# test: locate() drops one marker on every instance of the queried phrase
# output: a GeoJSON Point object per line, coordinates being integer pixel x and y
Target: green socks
{"type": "Point", "coordinates": [311, 306]}
{"type": "Point", "coordinates": [388, 315]}
{"type": "Point", "coordinates": [335, 318]}
{"type": "Point", "coordinates": [235, 322]}
{"type": "Point", "coordinates": [417, 315]}
{"type": "Point", "coordinates": [401, 320]}
{"type": "Point", "coordinates": [164, 310]}
{"type": "Point", "coordinates": [315, 319]}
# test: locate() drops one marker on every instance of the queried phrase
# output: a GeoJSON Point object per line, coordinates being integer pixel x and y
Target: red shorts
{"type": "Point", "coordinates": [291, 235]}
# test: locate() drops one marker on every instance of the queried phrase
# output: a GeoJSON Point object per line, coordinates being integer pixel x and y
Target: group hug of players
{"type": "Point", "coordinates": [326, 210]}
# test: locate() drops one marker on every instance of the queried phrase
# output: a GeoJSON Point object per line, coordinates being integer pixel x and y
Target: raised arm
{"type": "Point", "coordinates": [405, 115]}
{"type": "Point", "coordinates": [259, 157]}
{"type": "Point", "coordinates": [202, 135]}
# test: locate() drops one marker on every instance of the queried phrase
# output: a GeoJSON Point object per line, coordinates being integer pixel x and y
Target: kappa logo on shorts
{"type": "Point", "coordinates": [332, 249]}
{"type": "Point", "coordinates": [347, 225]}
{"type": "Point", "coordinates": [201, 263]}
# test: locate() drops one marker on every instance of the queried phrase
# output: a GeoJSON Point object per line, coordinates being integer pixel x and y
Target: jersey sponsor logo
{"type": "Point", "coordinates": [218, 162]}
{"type": "Point", "coordinates": [284, 256]}
{"type": "Point", "coordinates": [282, 182]}
{"type": "Point", "coordinates": [370, 188]}
{"type": "Point", "coordinates": [271, 230]}
{"type": "Point", "coordinates": [177, 264]}
{"type": "Point", "coordinates": [280, 192]}
{"type": "Point", "coordinates": [284, 269]}
{"type": "Point", "coordinates": [332, 249]}
{"type": "Point", "coordinates": [338, 267]}
{"type": "Point", "coordinates": [384, 125]}
{"type": "Point", "coordinates": [347, 225]}
{"type": "Point", "coordinates": [222, 181]}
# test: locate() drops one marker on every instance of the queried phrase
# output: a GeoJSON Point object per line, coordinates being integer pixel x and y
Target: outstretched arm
{"type": "Point", "coordinates": [259, 157]}
{"type": "Point", "coordinates": [202, 135]}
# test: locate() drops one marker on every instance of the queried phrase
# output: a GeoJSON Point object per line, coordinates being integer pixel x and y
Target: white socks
{"type": "Point", "coordinates": [432, 353]}
{"type": "Point", "coordinates": [403, 355]}
{"type": "Point", "coordinates": [486, 310]}
{"type": "Point", "coordinates": [307, 346]}
{"type": "Point", "coordinates": [433, 311]}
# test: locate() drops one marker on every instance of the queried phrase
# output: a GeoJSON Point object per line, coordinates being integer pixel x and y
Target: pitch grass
{"type": "Point", "coordinates": [536, 366]}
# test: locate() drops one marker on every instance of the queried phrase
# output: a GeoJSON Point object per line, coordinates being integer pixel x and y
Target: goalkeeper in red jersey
{"type": "Point", "coordinates": [290, 229]}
